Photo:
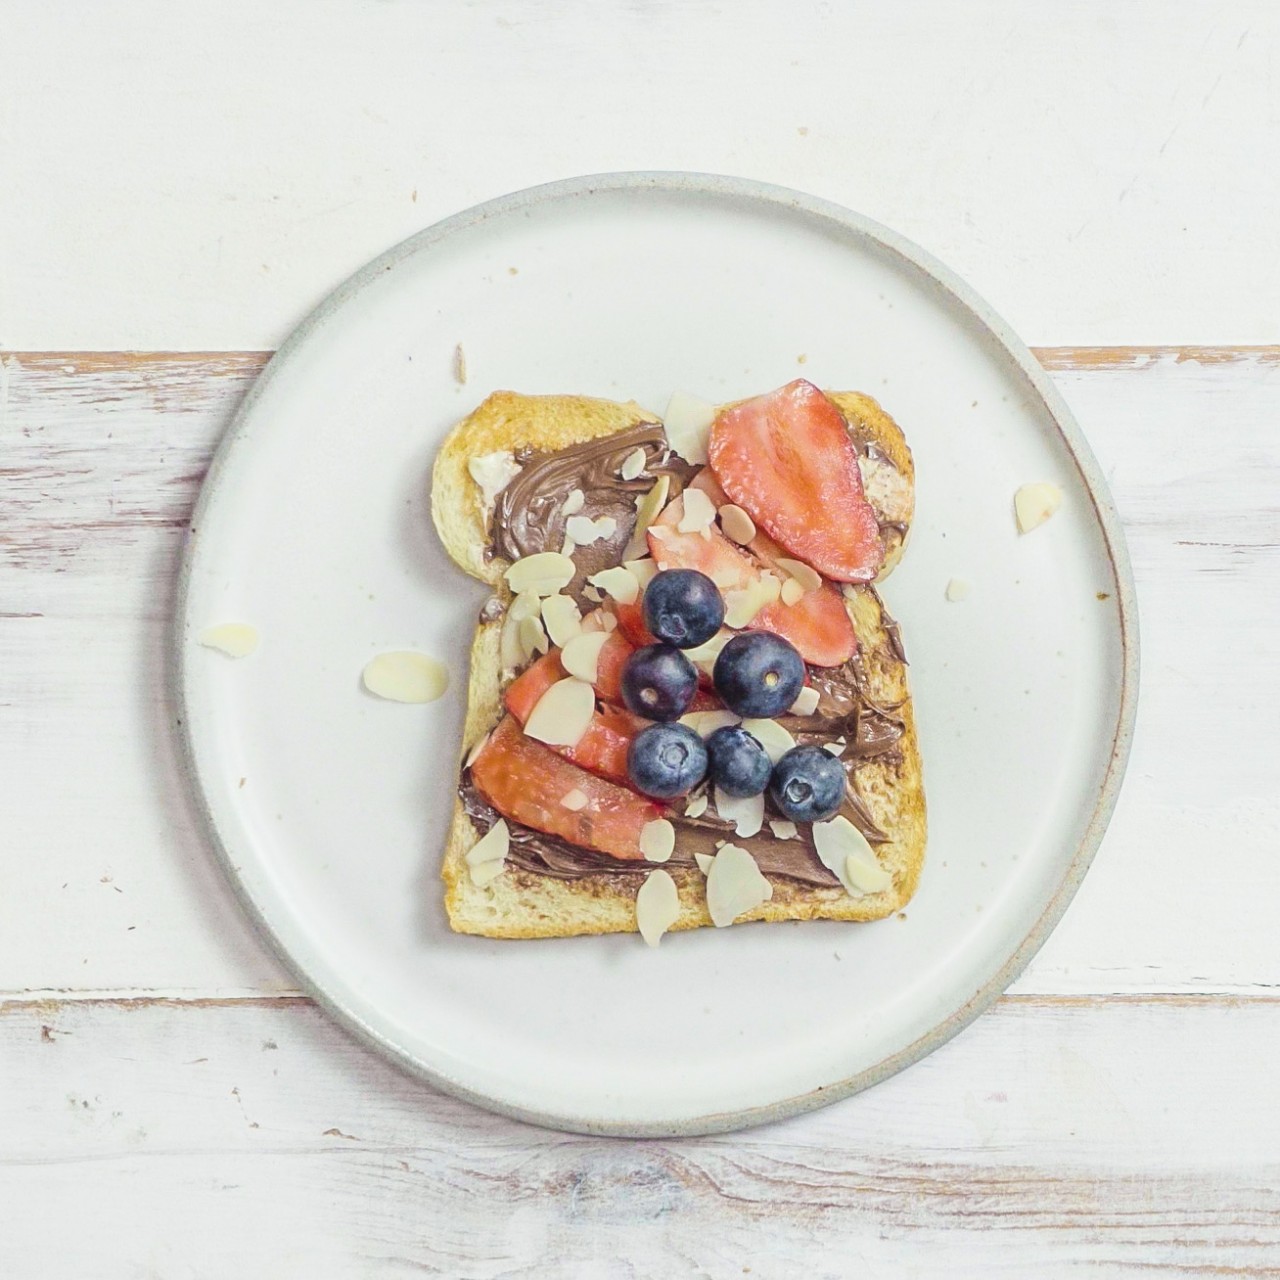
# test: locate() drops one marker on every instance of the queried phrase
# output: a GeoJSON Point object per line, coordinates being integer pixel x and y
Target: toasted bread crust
{"type": "Point", "coordinates": [520, 904]}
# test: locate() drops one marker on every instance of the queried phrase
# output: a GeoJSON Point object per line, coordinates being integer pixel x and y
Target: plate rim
{"type": "Point", "coordinates": [1090, 473]}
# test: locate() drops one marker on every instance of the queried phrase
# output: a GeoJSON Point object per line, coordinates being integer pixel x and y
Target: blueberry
{"type": "Point", "coordinates": [739, 765]}
{"type": "Point", "coordinates": [758, 674]}
{"type": "Point", "coordinates": [658, 682]}
{"type": "Point", "coordinates": [807, 784]}
{"type": "Point", "coordinates": [683, 607]}
{"type": "Point", "coordinates": [666, 760]}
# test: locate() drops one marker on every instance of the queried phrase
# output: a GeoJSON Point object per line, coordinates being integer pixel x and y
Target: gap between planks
{"type": "Point", "coordinates": [51, 1001]}
{"type": "Point", "coordinates": [239, 363]}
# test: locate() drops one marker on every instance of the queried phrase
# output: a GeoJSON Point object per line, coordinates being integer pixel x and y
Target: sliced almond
{"type": "Point", "coordinates": [561, 716]}
{"type": "Point", "coordinates": [573, 503]}
{"type": "Point", "coordinates": [957, 589]}
{"type": "Point", "coordinates": [704, 861]}
{"type": "Point", "coordinates": [1033, 504]}
{"type": "Point", "coordinates": [487, 857]}
{"type": "Point", "coordinates": [657, 840]}
{"type": "Point", "coordinates": [741, 606]}
{"type": "Point", "coordinates": [688, 425]}
{"type": "Point", "coordinates": [771, 736]}
{"type": "Point", "coordinates": [734, 886]}
{"type": "Point", "coordinates": [783, 829]}
{"type": "Point", "coordinates": [581, 655]}
{"type": "Point", "coordinates": [528, 604]}
{"type": "Point", "coordinates": [792, 592]}
{"type": "Point", "coordinates": [648, 507]}
{"type": "Point", "coordinates": [459, 365]}
{"type": "Point", "coordinates": [844, 851]}
{"type": "Point", "coordinates": [610, 621]}
{"type": "Point", "coordinates": [542, 574]}
{"type": "Point", "coordinates": [584, 530]}
{"type": "Point", "coordinates": [493, 472]}
{"type": "Point", "coordinates": [533, 638]}
{"type": "Point", "coordinates": [235, 639]}
{"type": "Point", "coordinates": [512, 648]}
{"type": "Point", "coordinates": [405, 676]}
{"type": "Point", "coordinates": [568, 546]}
{"type": "Point", "coordinates": [620, 583]}
{"type": "Point", "coordinates": [806, 702]}
{"type": "Point", "coordinates": [474, 754]}
{"type": "Point", "coordinates": [593, 620]}
{"type": "Point", "coordinates": [726, 577]}
{"type": "Point", "coordinates": [657, 906]}
{"type": "Point", "coordinates": [809, 578]}
{"type": "Point", "coordinates": [745, 812]}
{"type": "Point", "coordinates": [866, 874]}
{"type": "Point", "coordinates": [699, 512]}
{"type": "Point", "coordinates": [834, 748]}
{"type": "Point", "coordinates": [738, 526]}
{"type": "Point", "coordinates": [574, 800]}
{"type": "Point", "coordinates": [697, 805]}
{"type": "Point", "coordinates": [705, 723]}
{"type": "Point", "coordinates": [562, 618]}
{"type": "Point", "coordinates": [592, 594]}
{"type": "Point", "coordinates": [644, 569]}
{"type": "Point", "coordinates": [705, 655]}
{"type": "Point", "coordinates": [632, 464]}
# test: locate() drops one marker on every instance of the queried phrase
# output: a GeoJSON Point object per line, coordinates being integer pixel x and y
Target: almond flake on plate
{"type": "Point", "coordinates": [957, 589]}
{"type": "Point", "coordinates": [405, 676]}
{"type": "Point", "coordinates": [806, 702]}
{"type": "Point", "coordinates": [688, 425]}
{"type": "Point", "coordinates": [235, 639]}
{"type": "Point", "coordinates": [738, 526]}
{"type": "Point", "coordinates": [561, 716]}
{"type": "Point", "coordinates": [745, 812]}
{"type": "Point", "coordinates": [657, 840]}
{"type": "Point", "coordinates": [632, 464]}
{"type": "Point", "coordinates": [699, 512]}
{"type": "Point", "coordinates": [584, 530]}
{"type": "Point", "coordinates": [562, 618]}
{"type": "Point", "coordinates": [620, 583]}
{"type": "Point", "coordinates": [657, 906]}
{"type": "Point", "coordinates": [1033, 504]}
{"type": "Point", "coordinates": [574, 800]}
{"type": "Point", "coordinates": [771, 736]}
{"type": "Point", "coordinates": [581, 655]}
{"type": "Point", "coordinates": [844, 851]}
{"type": "Point", "coordinates": [543, 574]}
{"type": "Point", "coordinates": [648, 507]}
{"type": "Point", "coordinates": [734, 886]}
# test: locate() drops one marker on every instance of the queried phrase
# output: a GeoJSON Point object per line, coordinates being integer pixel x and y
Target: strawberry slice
{"type": "Point", "coordinates": [631, 625]}
{"type": "Point", "coordinates": [787, 460]}
{"type": "Point", "coordinates": [613, 657]}
{"type": "Point", "coordinates": [526, 782]}
{"type": "Point", "coordinates": [603, 748]}
{"type": "Point", "coordinates": [817, 624]}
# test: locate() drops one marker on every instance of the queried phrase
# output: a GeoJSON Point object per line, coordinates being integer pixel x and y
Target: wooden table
{"type": "Point", "coordinates": [177, 187]}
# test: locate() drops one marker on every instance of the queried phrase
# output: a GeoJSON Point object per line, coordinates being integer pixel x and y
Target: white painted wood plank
{"type": "Point", "coordinates": [1051, 1138]}
{"type": "Point", "coordinates": [199, 179]}
{"type": "Point", "coordinates": [108, 885]}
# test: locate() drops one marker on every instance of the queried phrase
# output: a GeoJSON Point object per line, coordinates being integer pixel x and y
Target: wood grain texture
{"type": "Point", "coordinates": [101, 458]}
{"type": "Point", "coordinates": [1099, 173]}
{"type": "Point", "coordinates": [1050, 1139]}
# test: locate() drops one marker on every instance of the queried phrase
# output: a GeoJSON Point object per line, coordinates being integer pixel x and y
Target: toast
{"type": "Point", "coordinates": [532, 900]}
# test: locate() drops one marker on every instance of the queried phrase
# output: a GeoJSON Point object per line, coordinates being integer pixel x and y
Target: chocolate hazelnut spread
{"type": "Point", "coordinates": [528, 517]}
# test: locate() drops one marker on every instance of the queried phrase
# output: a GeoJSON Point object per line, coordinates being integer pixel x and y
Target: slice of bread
{"type": "Point", "coordinates": [524, 904]}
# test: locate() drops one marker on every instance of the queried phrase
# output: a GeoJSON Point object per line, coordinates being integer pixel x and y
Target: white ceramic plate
{"type": "Point", "coordinates": [329, 806]}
